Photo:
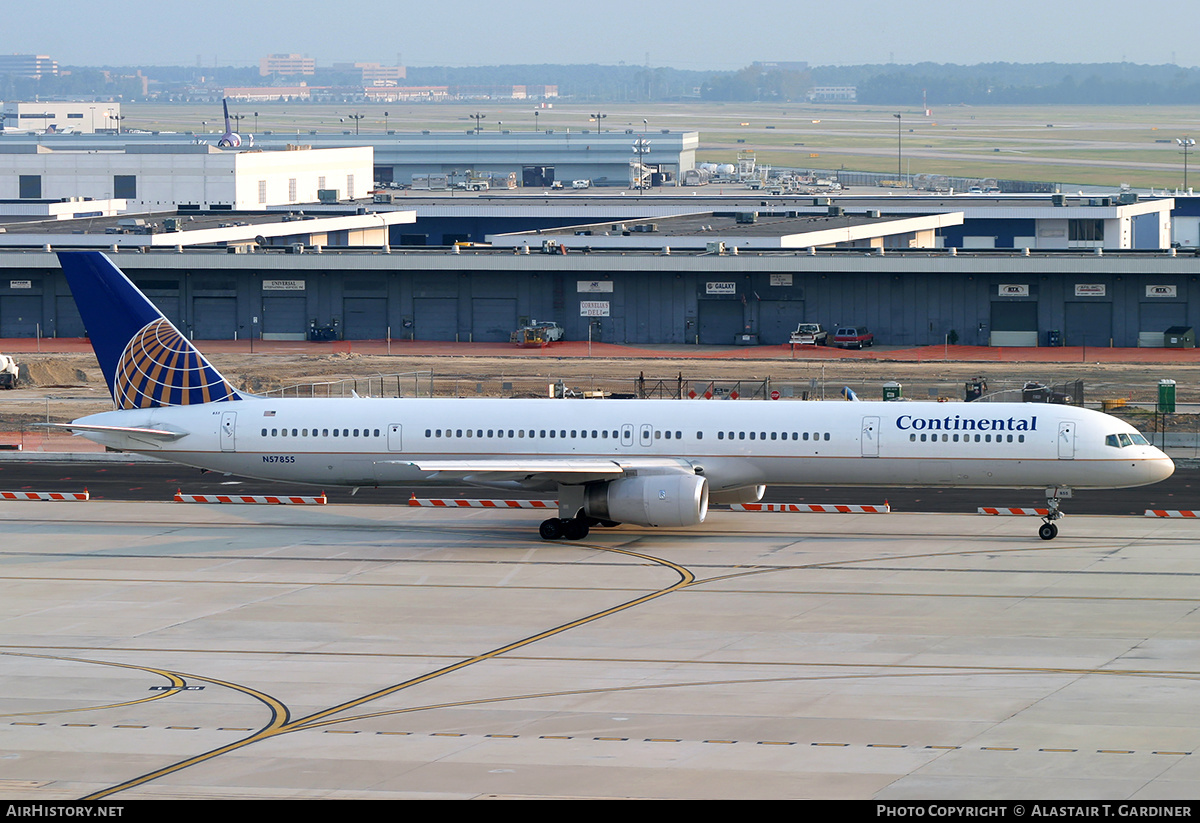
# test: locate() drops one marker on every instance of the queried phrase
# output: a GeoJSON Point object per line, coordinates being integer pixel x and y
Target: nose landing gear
{"type": "Point", "coordinates": [1048, 530]}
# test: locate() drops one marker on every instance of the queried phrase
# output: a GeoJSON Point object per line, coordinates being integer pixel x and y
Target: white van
{"type": "Point", "coordinates": [581, 184]}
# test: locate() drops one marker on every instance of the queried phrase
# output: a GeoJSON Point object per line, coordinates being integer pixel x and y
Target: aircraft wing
{"type": "Point", "coordinates": [561, 470]}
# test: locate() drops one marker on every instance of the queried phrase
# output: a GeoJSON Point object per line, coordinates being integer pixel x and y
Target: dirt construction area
{"type": "Point", "coordinates": [60, 386]}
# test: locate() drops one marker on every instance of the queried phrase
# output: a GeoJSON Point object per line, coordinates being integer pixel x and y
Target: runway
{"type": "Point", "coordinates": [152, 650]}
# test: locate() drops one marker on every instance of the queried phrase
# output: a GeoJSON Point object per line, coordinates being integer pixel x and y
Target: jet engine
{"type": "Point", "coordinates": [650, 500]}
{"type": "Point", "coordinates": [742, 494]}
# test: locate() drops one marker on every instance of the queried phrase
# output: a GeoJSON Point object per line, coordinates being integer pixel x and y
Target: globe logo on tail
{"type": "Point", "coordinates": [159, 367]}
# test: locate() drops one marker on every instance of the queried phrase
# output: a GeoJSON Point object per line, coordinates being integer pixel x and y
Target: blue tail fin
{"type": "Point", "coordinates": [146, 361]}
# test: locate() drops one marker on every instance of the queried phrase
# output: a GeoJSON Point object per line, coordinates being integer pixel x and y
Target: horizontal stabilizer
{"type": "Point", "coordinates": [157, 434]}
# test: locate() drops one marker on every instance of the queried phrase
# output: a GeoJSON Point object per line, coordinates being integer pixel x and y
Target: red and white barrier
{"type": "Point", "coordinates": [1016, 511]}
{"type": "Point", "coordinates": [803, 508]}
{"type": "Point", "coordinates": [445, 503]}
{"type": "Point", "coordinates": [83, 495]}
{"type": "Point", "coordinates": [278, 499]}
{"type": "Point", "coordinates": [1172, 513]}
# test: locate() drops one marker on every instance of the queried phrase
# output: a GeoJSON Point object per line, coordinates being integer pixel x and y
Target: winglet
{"type": "Point", "coordinates": [146, 361]}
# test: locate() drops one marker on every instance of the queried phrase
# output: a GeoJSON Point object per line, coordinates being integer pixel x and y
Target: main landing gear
{"type": "Point", "coordinates": [575, 528]}
{"type": "Point", "coordinates": [1049, 531]}
{"type": "Point", "coordinates": [570, 528]}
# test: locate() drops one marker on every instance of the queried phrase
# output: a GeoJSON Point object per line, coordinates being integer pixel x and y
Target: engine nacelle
{"type": "Point", "coordinates": [650, 500]}
{"type": "Point", "coordinates": [742, 494]}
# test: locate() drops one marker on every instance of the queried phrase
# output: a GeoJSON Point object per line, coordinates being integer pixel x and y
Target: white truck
{"type": "Point", "coordinates": [8, 372]}
{"type": "Point", "coordinates": [810, 334]}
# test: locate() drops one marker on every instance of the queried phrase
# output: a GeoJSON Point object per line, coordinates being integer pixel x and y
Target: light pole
{"type": "Point", "coordinates": [535, 119]}
{"type": "Point", "coordinates": [478, 117]}
{"type": "Point", "coordinates": [385, 117]}
{"type": "Point", "coordinates": [1186, 144]}
{"type": "Point", "coordinates": [356, 117]}
{"type": "Point", "coordinates": [599, 117]}
{"type": "Point", "coordinates": [256, 122]}
{"type": "Point", "coordinates": [899, 150]}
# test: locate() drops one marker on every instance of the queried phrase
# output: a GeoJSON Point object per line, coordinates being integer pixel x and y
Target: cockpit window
{"type": "Point", "coordinates": [1120, 441]}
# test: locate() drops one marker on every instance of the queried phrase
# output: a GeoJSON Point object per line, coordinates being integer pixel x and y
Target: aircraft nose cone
{"type": "Point", "coordinates": [1161, 468]}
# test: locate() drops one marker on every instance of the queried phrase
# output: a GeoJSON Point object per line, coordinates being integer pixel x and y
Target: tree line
{"type": "Point", "coordinates": [881, 84]}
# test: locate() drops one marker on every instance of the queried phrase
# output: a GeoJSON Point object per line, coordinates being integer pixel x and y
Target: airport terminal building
{"type": "Point", "coordinates": [246, 252]}
{"type": "Point", "coordinates": [918, 297]}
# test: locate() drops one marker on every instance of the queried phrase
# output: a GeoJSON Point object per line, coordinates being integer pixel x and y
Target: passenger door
{"type": "Point", "coordinates": [228, 431]}
{"type": "Point", "coordinates": [870, 437]}
{"type": "Point", "coordinates": [1066, 440]}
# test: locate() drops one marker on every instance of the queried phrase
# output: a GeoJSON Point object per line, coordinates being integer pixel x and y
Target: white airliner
{"type": "Point", "coordinates": [647, 462]}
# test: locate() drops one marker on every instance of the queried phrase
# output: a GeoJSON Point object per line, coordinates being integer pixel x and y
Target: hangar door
{"type": "Point", "coordinates": [435, 318]}
{"type": "Point", "coordinates": [1014, 324]}
{"type": "Point", "coordinates": [284, 318]}
{"type": "Point", "coordinates": [1088, 324]}
{"type": "Point", "coordinates": [67, 322]}
{"type": "Point", "coordinates": [364, 318]}
{"type": "Point", "coordinates": [493, 319]}
{"type": "Point", "coordinates": [720, 321]}
{"type": "Point", "coordinates": [20, 315]}
{"type": "Point", "coordinates": [1156, 318]}
{"type": "Point", "coordinates": [777, 319]}
{"type": "Point", "coordinates": [214, 318]}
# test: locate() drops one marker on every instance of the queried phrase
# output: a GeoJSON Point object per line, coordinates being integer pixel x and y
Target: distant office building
{"type": "Point", "coordinates": [184, 176]}
{"type": "Point", "coordinates": [262, 94]}
{"type": "Point", "coordinates": [374, 74]}
{"type": "Point", "coordinates": [79, 118]}
{"type": "Point", "coordinates": [833, 94]}
{"type": "Point", "coordinates": [28, 65]}
{"type": "Point", "coordinates": [286, 65]}
{"type": "Point", "coordinates": [401, 94]}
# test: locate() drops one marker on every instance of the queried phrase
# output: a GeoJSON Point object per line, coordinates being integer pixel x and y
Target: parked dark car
{"type": "Point", "coordinates": [853, 337]}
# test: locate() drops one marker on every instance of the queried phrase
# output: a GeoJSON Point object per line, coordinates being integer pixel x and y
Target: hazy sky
{"type": "Point", "coordinates": [692, 35]}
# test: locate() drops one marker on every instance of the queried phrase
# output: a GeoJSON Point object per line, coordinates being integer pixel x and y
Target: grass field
{"type": "Point", "coordinates": [1072, 145]}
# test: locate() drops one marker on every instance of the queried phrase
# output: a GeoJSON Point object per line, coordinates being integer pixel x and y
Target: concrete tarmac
{"type": "Point", "coordinates": [153, 650]}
